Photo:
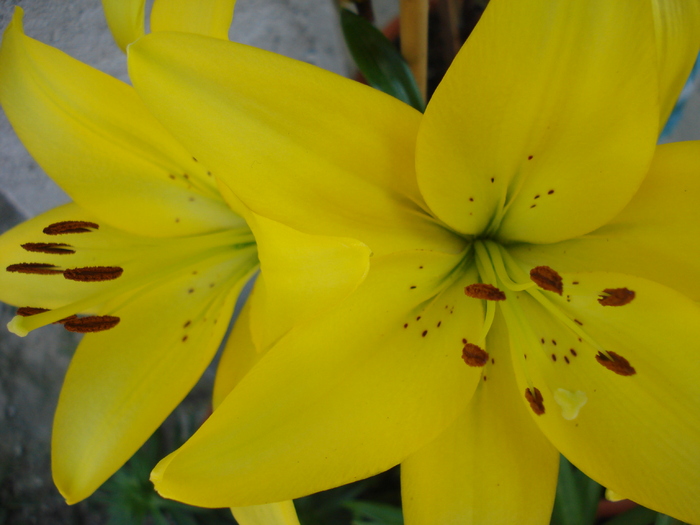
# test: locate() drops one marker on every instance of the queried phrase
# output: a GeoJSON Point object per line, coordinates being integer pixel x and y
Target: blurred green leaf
{"type": "Point", "coordinates": [636, 516]}
{"type": "Point", "coordinates": [577, 496]}
{"type": "Point", "coordinates": [371, 513]}
{"type": "Point", "coordinates": [662, 519]}
{"type": "Point", "coordinates": [379, 61]}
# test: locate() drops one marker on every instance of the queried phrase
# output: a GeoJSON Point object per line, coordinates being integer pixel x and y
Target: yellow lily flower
{"type": "Point", "coordinates": [540, 296]}
{"type": "Point", "coordinates": [149, 254]}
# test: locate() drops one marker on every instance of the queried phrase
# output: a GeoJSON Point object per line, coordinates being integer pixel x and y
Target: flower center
{"type": "Point", "coordinates": [143, 267]}
{"type": "Point", "coordinates": [506, 285]}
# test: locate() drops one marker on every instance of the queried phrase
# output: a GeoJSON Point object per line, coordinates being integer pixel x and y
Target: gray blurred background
{"type": "Point", "coordinates": [31, 369]}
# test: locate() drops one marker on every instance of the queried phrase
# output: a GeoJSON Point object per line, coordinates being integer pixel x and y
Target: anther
{"type": "Point", "coordinates": [535, 400]}
{"type": "Point", "coordinates": [484, 291]}
{"type": "Point", "coordinates": [27, 311]}
{"type": "Point", "coordinates": [58, 248]}
{"type": "Point", "coordinates": [547, 279]}
{"type": "Point", "coordinates": [36, 268]}
{"type": "Point", "coordinates": [93, 323]}
{"type": "Point", "coordinates": [63, 227]}
{"type": "Point", "coordinates": [93, 273]}
{"type": "Point", "coordinates": [616, 297]}
{"type": "Point", "coordinates": [474, 355]}
{"type": "Point", "coordinates": [616, 363]}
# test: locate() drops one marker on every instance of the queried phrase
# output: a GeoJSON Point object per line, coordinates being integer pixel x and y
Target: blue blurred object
{"type": "Point", "coordinates": [677, 112]}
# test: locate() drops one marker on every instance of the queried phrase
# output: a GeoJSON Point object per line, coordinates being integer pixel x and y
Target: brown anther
{"type": "Point", "coordinates": [485, 291]}
{"type": "Point", "coordinates": [616, 297]}
{"type": "Point", "coordinates": [58, 248]}
{"type": "Point", "coordinates": [63, 227]}
{"type": "Point", "coordinates": [616, 363]}
{"type": "Point", "coordinates": [547, 279]}
{"type": "Point", "coordinates": [37, 268]}
{"type": "Point", "coordinates": [93, 323]}
{"type": "Point", "coordinates": [27, 311]}
{"type": "Point", "coordinates": [91, 274]}
{"type": "Point", "coordinates": [474, 355]}
{"type": "Point", "coordinates": [535, 400]}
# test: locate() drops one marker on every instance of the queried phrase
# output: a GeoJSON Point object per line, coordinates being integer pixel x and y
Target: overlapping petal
{"type": "Point", "coordinates": [345, 397]}
{"type": "Point", "coordinates": [620, 389]}
{"type": "Point", "coordinates": [297, 144]}
{"type": "Point", "coordinates": [122, 383]}
{"type": "Point", "coordinates": [527, 125]}
{"type": "Point", "coordinates": [677, 24]}
{"type": "Point", "coordinates": [654, 237]}
{"type": "Point", "coordinates": [125, 19]}
{"type": "Point", "coordinates": [493, 465]}
{"type": "Point", "coordinates": [96, 139]}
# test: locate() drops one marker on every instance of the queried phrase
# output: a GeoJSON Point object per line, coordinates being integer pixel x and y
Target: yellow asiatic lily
{"type": "Point", "coordinates": [534, 276]}
{"type": "Point", "coordinates": [147, 261]}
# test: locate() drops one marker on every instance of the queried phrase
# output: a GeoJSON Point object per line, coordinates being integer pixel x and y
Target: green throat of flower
{"type": "Point", "coordinates": [115, 285]}
{"type": "Point", "coordinates": [504, 284]}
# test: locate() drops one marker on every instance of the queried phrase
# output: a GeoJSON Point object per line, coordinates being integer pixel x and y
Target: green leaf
{"type": "Point", "coordinates": [371, 513]}
{"type": "Point", "coordinates": [636, 516]}
{"type": "Point", "coordinates": [577, 496]}
{"type": "Point", "coordinates": [379, 61]}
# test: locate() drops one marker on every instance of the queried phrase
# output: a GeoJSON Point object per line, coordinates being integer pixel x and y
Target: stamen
{"type": "Point", "coordinates": [94, 323]}
{"type": "Point", "coordinates": [547, 279]}
{"type": "Point", "coordinates": [58, 248]}
{"type": "Point", "coordinates": [485, 291]}
{"type": "Point", "coordinates": [26, 311]}
{"type": "Point", "coordinates": [616, 363]}
{"type": "Point", "coordinates": [535, 400]}
{"type": "Point", "coordinates": [63, 227]}
{"type": "Point", "coordinates": [36, 268]}
{"type": "Point", "coordinates": [93, 273]}
{"type": "Point", "coordinates": [616, 297]}
{"type": "Point", "coordinates": [474, 356]}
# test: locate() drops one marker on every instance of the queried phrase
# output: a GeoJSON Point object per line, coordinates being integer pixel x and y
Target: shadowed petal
{"type": "Point", "coordinates": [493, 465]}
{"type": "Point", "coordinates": [204, 17]}
{"type": "Point", "coordinates": [345, 397]}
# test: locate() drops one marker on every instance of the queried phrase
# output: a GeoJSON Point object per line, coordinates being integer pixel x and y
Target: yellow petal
{"type": "Point", "coordinates": [677, 25]}
{"type": "Point", "coordinates": [654, 237]}
{"type": "Point", "coordinates": [95, 138]}
{"type": "Point", "coordinates": [204, 17]}
{"type": "Point", "coordinates": [298, 150]}
{"type": "Point", "coordinates": [238, 357]}
{"type": "Point", "coordinates": [549, 111]}
{"type": "Point", "coordinates": [282, 513]}
{"type": "Point", "coordinates": [122, 383]}
{"type": "Point", "coordinates": [638, 431]}
{"type": "Point", "coordinates": [125, 19]}
{"type": "Point", "coordinates": [301, 275]}
{"type": "Point", "coordinates": [342, 398]}
{"type": "Point", "coordinates": [493, 465]}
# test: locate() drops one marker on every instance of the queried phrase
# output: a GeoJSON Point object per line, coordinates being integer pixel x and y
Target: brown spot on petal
{"type": "Point", "coordinates": [535, 400]}
{"type": "Point", "coordinates": [484, 291]}
{"type": "Point", "coordinates": [64, 227]}
{"type": "Point", "coordinates": [616, 363]}
{"type": "Point", "coordinates": [36, 268]}
{"type": "Point", "coordinates": [93, 323]}
{"type": "Point", "coordinates": [616, 297]}
{"type": "Point", "coordinates": [547, 279]}
{"type": "Point", "coordinates": [93, 273]}
{"type": "Point", "coordinates": [474, 355]}
{"type": "Point", "coordinates": [26, 311]}
{"type": "Point", "coordinates": [58, 248]}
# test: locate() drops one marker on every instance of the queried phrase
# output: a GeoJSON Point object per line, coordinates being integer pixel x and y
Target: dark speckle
{"type": "Point", "coordinates": [439, 323]}
{"type": "Point", "coordinates": [554, 342]}
{"type": "Point", "coordinates": [529, 157]}
{"type": "Point", "coordinates": [550, 192]}
{"type": "Point", "coordinates": [542, 340]}
{"type": "Point", "coordinates": [405, 325]}
{"type": "Point", "coordinates": [537, 196]}
{"type": "Point", "coordinates": [413, 287]}
{"type": "Point", "coordinates": [188, 323]}
{"type": "Point", "coordinates": [191, 290]}
{"type": "Point", "coordinates": [533, 205]}
{"type": "Point", "coordinates": [425, 332]}
{"type": "Point", "coordinates": [184, 338]}
{"type": "Point", "coordinates": [566, 359]}
{"type": "Point", "coordinates": [471, 199]}
{"type": "Point", "coordinates": [554, 357]}
{"type": "Point", "coordinates": [492, 179]}
{"type": "Point", "coordinates": [418, 318]}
